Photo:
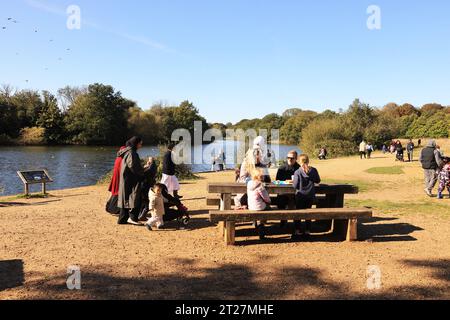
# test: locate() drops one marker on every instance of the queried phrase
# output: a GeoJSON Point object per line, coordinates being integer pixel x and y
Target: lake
{"type": "Point", "coordinates": [78, 166]}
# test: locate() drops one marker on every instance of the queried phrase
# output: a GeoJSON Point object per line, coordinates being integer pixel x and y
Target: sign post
{"type": "Point", "coordinates": [35, 177]}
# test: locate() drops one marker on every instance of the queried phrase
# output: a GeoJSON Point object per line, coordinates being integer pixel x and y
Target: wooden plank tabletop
{"type": "Point", "coordinates": [232, 188]}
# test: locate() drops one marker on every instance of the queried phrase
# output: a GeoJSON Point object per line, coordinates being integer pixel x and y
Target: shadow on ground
{"type": "Point", "coordinates": [373, 230]}
{"type": "Point", "coordinates": [232, 281]}
{"type": "Point", "coordinates": [11, 274]}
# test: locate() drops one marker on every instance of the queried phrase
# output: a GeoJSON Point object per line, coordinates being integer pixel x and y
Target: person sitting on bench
{"type": "Point", "coordinates": [258, 197]}
{"type": "Point", "coordinates": [286, 173]}
{"type": "Point", "coordinates": [305, 179]}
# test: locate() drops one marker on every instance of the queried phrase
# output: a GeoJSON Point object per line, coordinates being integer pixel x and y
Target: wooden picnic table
{"type": "Point", "coordinates": [334, 197]}
{"type": "Point", "coordinates": [334, 193]}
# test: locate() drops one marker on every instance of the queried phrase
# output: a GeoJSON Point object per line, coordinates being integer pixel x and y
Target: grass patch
{"type": "Point", "coordinates": [30, 196]}
{"type": "Point", "coordinates": [363, 185]}
{"type": "Point", "coordinates": [401, 208]}
{"type": "Point", "coordinates": [386, 170]}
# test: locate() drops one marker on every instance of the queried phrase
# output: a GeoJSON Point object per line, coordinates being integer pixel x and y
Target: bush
{"type": "Point", "coordinates": [326, 133]}
{"type": "Point", "coordinates": [32, 136]}
{"type": "Point", "coordinates": [430, 125]}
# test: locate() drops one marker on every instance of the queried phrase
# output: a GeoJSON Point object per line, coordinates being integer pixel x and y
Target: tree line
{"type": "Point", "coordinates": [92, 115]}
{"type": "Point", "coordinates": [99, 115]}
{"type": "Point", "coordinates": [341, 132]}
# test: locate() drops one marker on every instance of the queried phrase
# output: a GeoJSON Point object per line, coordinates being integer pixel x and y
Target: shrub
{"type": "Point", "coordinates": [327, 133]}
{"type": "Point", "coordinates": [32, 136]}
{"type": "Point", "coordinates": [431, 125]}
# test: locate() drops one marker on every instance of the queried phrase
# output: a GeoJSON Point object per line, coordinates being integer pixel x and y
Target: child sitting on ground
{"type": "Point", "coordinates": [444, 178]}
{"type": "Point", "coordinates": [156, 207]}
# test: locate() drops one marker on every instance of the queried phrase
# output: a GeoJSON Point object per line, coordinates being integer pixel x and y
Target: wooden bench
{"type": "Point", "coordinates": [214, 201]}
{"type": "Point", "coordinates": [345, 219]}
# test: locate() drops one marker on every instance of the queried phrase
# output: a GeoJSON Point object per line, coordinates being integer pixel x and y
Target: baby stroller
{"type": "Point", "coordinates": [175, 210]}
{"type": "Point", "coordinates": [400, 155]}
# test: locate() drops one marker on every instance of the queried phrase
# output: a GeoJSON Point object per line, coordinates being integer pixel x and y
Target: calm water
{"type": "Point", "coordinates": [74, 166]}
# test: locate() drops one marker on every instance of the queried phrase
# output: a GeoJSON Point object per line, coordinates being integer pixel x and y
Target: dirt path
{"type": "Point", "coordinates": [40, 238]}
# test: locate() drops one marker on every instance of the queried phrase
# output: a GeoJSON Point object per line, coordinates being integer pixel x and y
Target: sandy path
{"type": "Point", "coordinates": [40, 238]}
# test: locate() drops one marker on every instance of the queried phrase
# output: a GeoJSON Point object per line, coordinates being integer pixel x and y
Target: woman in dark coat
{"type": "Point", "coordinates": [131, 176]}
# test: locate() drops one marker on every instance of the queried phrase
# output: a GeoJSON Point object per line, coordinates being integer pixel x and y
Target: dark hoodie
{"type": "Point", "coordinates": [304, 183]}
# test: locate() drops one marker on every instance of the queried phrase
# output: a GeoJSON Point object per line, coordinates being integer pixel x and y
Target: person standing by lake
{"type": "Point", "coordinates": [431, 161]}
{"type": "Point", "coordinates": [410, 149]}
{"type": "Point", "coordinates": [363, 149]}
{"type": "Point", "coordinates": [304, 182]}
{"type": "Point", "coordinates": [131, 176]}
{"type": "Point", "coordinates": [169, 178]}
{"type": "Point", "coordinates": [220, 160]}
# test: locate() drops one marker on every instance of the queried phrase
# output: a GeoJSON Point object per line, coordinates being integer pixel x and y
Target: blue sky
{"type": "Point", "coordinates": [234, 59]}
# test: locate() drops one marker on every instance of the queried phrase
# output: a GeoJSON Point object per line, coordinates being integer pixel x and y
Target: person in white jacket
{"type": "Point", "coordinates": [363, 149]}
{"type": "Point", "coordinates": [156, 207]}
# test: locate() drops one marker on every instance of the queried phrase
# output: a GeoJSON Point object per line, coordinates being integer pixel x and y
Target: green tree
{"type": "Point", "coordinates": [28, 104]}
{"type": "Point", "coordinates": [99, 117]}
{"type": "Point", "coordinates": [143, 124]}
{"type": "Point", "coordinates": [291, 131]}
{"type": "Point", "coordinates": [51, 119]}
{"type": "Point", "coordinates": [359, 117]}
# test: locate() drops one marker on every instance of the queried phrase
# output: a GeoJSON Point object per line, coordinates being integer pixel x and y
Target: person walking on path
{"type": "Point", "coordinates": [131, 176]}
{"type": "Point", "coordinates": [363, 149]}
{"type": "Point", "coordinates": [431, 161]}
{"type": "Point", "coordinates": [169, 178]}
{"type": "Point", "coordinates": [410, 149]}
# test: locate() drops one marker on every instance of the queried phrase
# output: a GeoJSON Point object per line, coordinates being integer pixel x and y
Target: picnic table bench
{"type": "Point", "coordinates": [330, 207]}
